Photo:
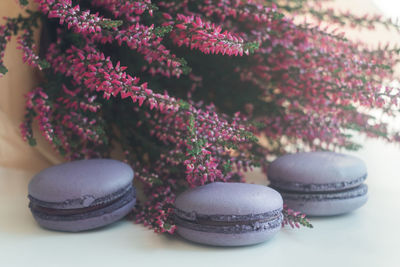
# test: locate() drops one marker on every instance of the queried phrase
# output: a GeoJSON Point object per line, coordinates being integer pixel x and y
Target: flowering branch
{"type": "Point", "coordinates": [12, 27]}
{"type": "Point", "coordinates": [127, 9]}
{"type": "Point", "coordinates": [5, 37]}
{"type": "Point", "coordinates": [241, 11]}
{"type": "Point", "coordinates": [193, 32]}
{"type": "Point", "coordinates": [294, 218]}
{"type": "Point", "coordinates": [160, 205]}
{"type": "Point", "coordinates": [81, 21]}
{"type": "Point", "coordinates": [90, 68]}
{"type": "Point", "coordinates": [28, 47]}
{"type": "Point", "coordinates": [347, 18]}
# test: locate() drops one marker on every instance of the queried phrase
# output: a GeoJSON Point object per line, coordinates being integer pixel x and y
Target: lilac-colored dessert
{"type": "Point", "coordinates": [320, 183]}
{"type": "Point", "coordinates": [82, 195]}
{"type": "Point", "coordinates": [228, 214]}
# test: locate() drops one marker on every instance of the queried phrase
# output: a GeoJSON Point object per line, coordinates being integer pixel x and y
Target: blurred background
{"type": "Point", "coordinates": [390, 8]}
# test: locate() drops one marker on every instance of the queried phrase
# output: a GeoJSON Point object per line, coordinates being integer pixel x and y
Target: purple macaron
{"type": "Point", "coordinates": [228, 214]}
{"type": "Point", "coordinates": [82, 195]}
{"type": "Point", "coordinates": [320, 183]}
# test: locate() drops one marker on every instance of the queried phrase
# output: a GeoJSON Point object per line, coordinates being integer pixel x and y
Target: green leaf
{"type": "Point", "coordinates": [278, 16]}
{"type": "Point", "coordinates": [227, 167]}
{"type": "Point", "coordinates": [337, 70]}
{"type": "Point", "coordinates": [259, 125]}
{"type": "Point", "coordinates": [167, 226]}
{"type": "Point", "coordinates": [184, 66]}
{"type": "Point", "coordinates": [43, 64]}
{"type": "Point", "coordinates": [23, 2]}
{"type": "Point", "coordinates": [353, 146]}
{"type": "Point", "coordinates": [363, 79]}
{"type": "Point", "coordinates": [253, 46]}
{"type": "Point", "coordinates": [62, 151]}
{"type": "Point", "coordinates": [161, 31]}
{"type": "Point", "coordinates": [383, 66]}
{"type": "Point", "coordinates": [32, 141]}
{"type": "Point", "coordinates": [108, 24]}
{"type": "Point", "coordinates": [349, 107]}
{"type": "Point", "coordinates": [183, 104]}
{"type": "Point", "coordinates": [3, 69]}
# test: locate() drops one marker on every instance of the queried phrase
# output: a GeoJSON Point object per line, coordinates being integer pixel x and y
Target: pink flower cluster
{"type": "Point", "coordinates": [38, 100]}
{"type": "Point", "coordinates": [196, 33]}
{"type": "Point", "coordinates": [149, 45]}
{"type": "Point", "coordinates": [58, 127]}
{"type": "Point", "coordinates": [5, 36]}
{"type": "Point", "coordinates": [347, 18]}
{"type": "Point", "coordinates": [239, 10]}
{"type": "Point", "coordinates": [128, 9]}
{"type": "Point", "coordinates": [73, 17]}
{"type": "Point", "coordinates": [92, 69]}
{"type": "Point", "coordinates": [200, 137]}
{"type": "Point", "coordinates": [306, 91]}
{"type": "Point", "coordinates": [28, 47]}
{"type": "Point", "coordinates": [160, 204]}
{"type": "Point", "coordinates": [136, 36]}
{"type": "Point", "coordinates": [294, 218]}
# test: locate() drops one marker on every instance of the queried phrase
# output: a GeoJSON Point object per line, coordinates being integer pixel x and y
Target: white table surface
{"type": "Point", "coordinates": [369, 236]}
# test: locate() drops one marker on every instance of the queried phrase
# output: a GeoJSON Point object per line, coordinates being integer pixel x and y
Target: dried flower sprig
{"type": "Point", "coordinates": [5, 37]}
{"type": "Point", "coordinates": [73, 17]}
{"type": "Point", "coordinates": [294, 218]}
{"type": "Point", "coordinates": [317, 10]}
{"type": "Point", "coordinates": [129, 10]}
{"type": "Point", "coordinates": [12, 27]}
{"type": "Point", "coordinates": [195, 33]}
{"type": "Point", "coordinates": [347, 18]}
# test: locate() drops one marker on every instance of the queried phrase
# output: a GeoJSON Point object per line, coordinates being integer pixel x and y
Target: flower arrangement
{"type": "Point", "coordinates": [188, 88]}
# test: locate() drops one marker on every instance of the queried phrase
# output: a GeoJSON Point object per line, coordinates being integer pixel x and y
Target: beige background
{"type": "Point", "coordinates": [14, 152]}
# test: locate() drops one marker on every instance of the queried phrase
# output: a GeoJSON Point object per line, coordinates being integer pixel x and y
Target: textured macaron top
{"type": "Point", "coordinates": [229, 199]}
{"type": "Point", "coordinates": [317, 171]}
{"type": "Point", "coordinates": [80, 184]}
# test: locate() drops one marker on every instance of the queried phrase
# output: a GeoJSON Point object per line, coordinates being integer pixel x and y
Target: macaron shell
{"type": "Point", "coordinates": [317, 168]}
{"type": "Point", "coordinates": [78, 184]}
{"type": "Point", "coordinates": [89, 223]}
{"type": "Point", "coordinates": [327, 207]}
{"type": "Point", "coordinates": [222, 239]}
{"type": "Point", "coordinates": [229, 199]}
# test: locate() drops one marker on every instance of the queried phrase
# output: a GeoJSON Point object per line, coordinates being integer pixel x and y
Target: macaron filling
{"type": "Point", "coordinates": [58, 212]}
{"type": "Point", "coordinates": [229, 223]}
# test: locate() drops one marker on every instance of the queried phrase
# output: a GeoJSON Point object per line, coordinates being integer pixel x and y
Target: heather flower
{"type": "Point", "coordinates": [73, 17]}
{"type": "Point", "coordinates": [28, 47]}
{"type": "Point", "coordinates": [4, 38]}
{"type": "Point", "coordinates": [207, 37]}
{"type": "Point", "coordinates": [128, 9]}
{"type": "Point", "coordinates": [294, 218]}
{"type": "Point", "coordinates": [97, 73]}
